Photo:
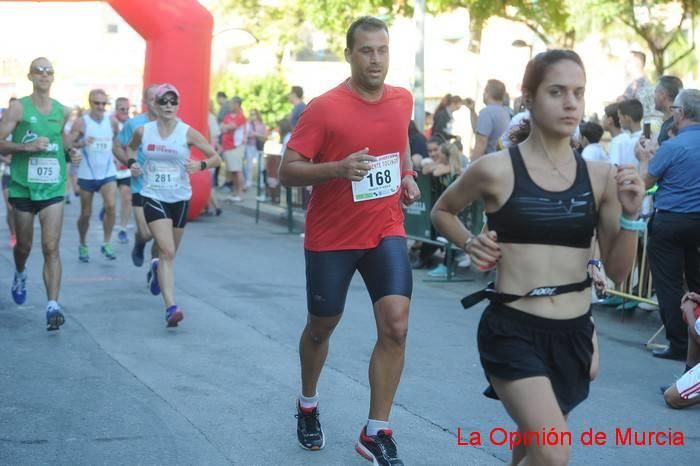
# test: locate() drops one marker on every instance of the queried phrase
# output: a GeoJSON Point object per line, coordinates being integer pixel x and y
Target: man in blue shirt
{"type": "Point", "coordinates": [674, 238]}
{"type": "Point", "coordinates": [295, 96]}
{"type": "Point", "coordinates": [143, 234]}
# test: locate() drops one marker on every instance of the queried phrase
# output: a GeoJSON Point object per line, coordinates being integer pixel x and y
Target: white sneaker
{"type": "Point", "coordinates": [234, 198]}
{"type": "Point", "coordinates": [464, 262]}
{"type": "Point", "coordinates": [649, 307]}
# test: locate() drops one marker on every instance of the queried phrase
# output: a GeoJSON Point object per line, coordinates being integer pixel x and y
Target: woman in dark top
{"type": "Point", "coordinates": [536, 338]}
{"type": "Point", "coordinates": [443, 116]}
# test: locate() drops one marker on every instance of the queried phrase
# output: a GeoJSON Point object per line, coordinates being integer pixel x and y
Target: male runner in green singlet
{"type": "Point", "coordinates": [38, 181]}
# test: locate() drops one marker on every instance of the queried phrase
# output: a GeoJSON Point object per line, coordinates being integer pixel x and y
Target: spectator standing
{"type": "Point", "coordinates": [630, 113]}
{"type": "Point", "coordinates": [224, 106]}
{"type": "Point", "coordinates": [674, 241]}
{"type": "Point", "coordinates": [233, 139]}
{"type": "Point", "coordinates": [493, 120]}
{"type": "Point", "coordinates": [590, 141]}
{"type": "Point", "coordinates": [214, 138]}
{"type": "Point", "coordinates": [442, 120]}
{"type": "Point", "coordinates": [611, 124]}
{"type": "Point", "coordinates": [667, 90]}
{"type": "Point", "coordinates": [641, 88]}
{"type": "Point", "coordinates": [295, 96]}
{"type": "Point", "coordinates": [257, 135]}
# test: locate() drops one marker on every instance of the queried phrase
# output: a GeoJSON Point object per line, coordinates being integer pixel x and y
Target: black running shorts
{"type": "Point", "coordinates": [385, 270]}
{"type": "Point", "coordinates": [157, 210]}
{"type": "Point", "coordinates": [23, 204]}
{"type": "Point", "coordinates": [515, 345]}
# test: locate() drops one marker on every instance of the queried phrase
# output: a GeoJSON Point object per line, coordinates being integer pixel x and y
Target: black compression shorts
{"type": "Point", "coordinates": [385, 270]}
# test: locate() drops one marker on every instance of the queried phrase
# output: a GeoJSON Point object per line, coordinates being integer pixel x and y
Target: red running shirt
{"type": "Point", "coordinates": [333, 126]}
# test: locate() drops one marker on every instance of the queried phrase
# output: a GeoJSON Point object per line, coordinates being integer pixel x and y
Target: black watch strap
{"type": "Point", "coordinates": [203, 165]}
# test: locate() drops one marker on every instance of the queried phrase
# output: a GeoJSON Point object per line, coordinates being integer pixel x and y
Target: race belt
{"type": "Point", "coordinates": [492, 295]}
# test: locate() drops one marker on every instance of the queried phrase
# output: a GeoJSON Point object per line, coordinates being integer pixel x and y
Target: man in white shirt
{"type": "Point", "coordinates": [590, 141]}
{"type": "Point", "coordinates": [611, 124]}
{"type": "Point", "coordinates": [631, 113]}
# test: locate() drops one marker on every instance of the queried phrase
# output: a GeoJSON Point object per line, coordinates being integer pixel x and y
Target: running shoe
{"type": "Point", "coordinates": [67, 199]}
{"type": "Point", "coordinates": [102, 214]}
{"type": "Point", "coordinates": [83, 255]}
{"type": "Point", "coordinates": [218, 211]}
{"type": "Point", "coordinates": [153, 278]}
{"type": "Point", "coordinates": [309, 432]}
{"type": "Point", "coordinates": [13, 241]}
{"type": "Point", "coordinates": [438, 272]}
{"type": "Point", "coordinates": [137, 253]}
{"type": "Point", "coordinates": [19, 288]}
{"type": "Point", "coordinates": [54, 319]}
{"type": "Point", "coordinates": [379, 449]}
{"type": "Point", "coordinates": [173, 315]}
{"type": "Point", "coordinates": [122, 237]}
{"type": "Point", "coordinates": [108, 252]}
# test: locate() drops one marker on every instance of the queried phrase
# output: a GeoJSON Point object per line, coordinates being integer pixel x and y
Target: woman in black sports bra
{"type": "Point", "coordinates": [543, 203]}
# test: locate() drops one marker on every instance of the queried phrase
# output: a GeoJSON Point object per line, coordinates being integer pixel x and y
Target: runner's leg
{"type": "Point", "coordinates": [531, 403]}
{"type": "Point", "coordinates": [109, 192]}
{"type": "Point", "coordinates": [85, 213]}
{"type": "Point", "coordinates": [125, 205]}
{"type": "Point", "coordinates": [167, 239]}
{"type": "Point", "coordinates": [386, 364]}
{"type": "Point", "coordinates": [24, 223]}
{"type": "Point", "coordinates": [51, 221]}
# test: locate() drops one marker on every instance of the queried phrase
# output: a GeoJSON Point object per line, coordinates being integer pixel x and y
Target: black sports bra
{"type": "Point", "coordinates": [532, 215]}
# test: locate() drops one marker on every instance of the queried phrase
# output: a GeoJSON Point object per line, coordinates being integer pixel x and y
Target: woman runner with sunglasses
{"type": "Point", "coordinates": [543, 204]}
{"type": "Point", "coordinates": [165, 144]}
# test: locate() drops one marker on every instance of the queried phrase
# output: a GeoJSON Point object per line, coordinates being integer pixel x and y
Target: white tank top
{"type": "Point", "coordinates": [97, 163]}
{"type": "Point", "coordinates": [164, 168]}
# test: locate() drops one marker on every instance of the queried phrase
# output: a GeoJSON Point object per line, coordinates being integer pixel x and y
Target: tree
{"type": "Point", "coordinates": [282, 21]}
{"type": "Point", "coordinates": [268, 94]}
{"type": "Point", "coordinates": [661, 24]}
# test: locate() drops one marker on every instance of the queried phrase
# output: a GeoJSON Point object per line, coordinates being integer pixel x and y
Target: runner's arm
{"type": "Point", "coordinates": [76, 131]}
{"type": "Point", "coordinates": [133, 146]}
{"type": "Point", "coordinates": [618, 247]}
{"type": "Point", "coordinates": [469, 187]}
{"type": "Point", "coordinates": [196, 139]}
{"type": "Point", "coordinates": [297, 170]}
{"type": "Point", "coordinates": [10, 118]}
{"type": "Point", "coordinates": [117, 148]}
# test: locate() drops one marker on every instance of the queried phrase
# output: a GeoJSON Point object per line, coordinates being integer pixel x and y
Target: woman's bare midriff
{"type": "Point", "coordinates": [523, 267]}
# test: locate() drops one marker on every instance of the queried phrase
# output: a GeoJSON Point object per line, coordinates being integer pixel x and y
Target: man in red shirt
{"type": "Point", "coordinates": [351, 144]}
{"type": "Point", "coordinates": [233, 139]}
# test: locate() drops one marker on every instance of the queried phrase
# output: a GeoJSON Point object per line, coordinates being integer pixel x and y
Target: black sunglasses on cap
{"type": "Point", "coordinates": [168, 99]}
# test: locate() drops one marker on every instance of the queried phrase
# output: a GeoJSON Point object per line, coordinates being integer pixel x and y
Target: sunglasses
{"type": "Point", "coordinates": [43, 69]}
{"type": "Point", "coordinates": [95, 102]}
{"type": "Point", "coordinates": [123, 110]}
{"type": "Point", "coordinates": [168, 100]}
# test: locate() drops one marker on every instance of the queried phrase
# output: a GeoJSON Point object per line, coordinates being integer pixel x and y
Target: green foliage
{"type": "Point", "coordinates": [266, 93]}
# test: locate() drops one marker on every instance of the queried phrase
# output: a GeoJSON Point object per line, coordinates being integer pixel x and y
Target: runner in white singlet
{"type": "Point", "coordinates": [165, 144]}
{"type": "Point", "coordinates": [96, 132]}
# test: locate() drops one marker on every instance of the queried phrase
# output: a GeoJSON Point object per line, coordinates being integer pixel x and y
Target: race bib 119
{"type": "Point", "coordinates": [383, 179]}
{"type": "Point", "coordinates": [43, 170]}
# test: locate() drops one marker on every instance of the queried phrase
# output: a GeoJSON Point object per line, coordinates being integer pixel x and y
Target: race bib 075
{"type": "Point", "coordinates": [43, 170]}
{"type": "Point", "coordinates": [383, 179]}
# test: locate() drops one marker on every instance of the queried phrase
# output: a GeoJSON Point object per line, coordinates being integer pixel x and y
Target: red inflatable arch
{"type": "Point", "coordinates": [178, 50]}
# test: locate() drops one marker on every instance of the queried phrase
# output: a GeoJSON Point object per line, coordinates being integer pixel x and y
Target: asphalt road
{"type": "Point", "coordinates": [114, 386]}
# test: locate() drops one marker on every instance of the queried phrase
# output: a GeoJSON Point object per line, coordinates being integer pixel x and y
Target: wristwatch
{"type": "Point", "coordinates": [203, 165]}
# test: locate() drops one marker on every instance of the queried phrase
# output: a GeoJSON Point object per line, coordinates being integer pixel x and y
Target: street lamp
{"type": "Point", "coordinates": [519, 44]}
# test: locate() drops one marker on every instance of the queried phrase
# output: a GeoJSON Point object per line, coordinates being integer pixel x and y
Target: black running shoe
{"type": "Point", "coordinates": [379, 449]}
{"type": "Point", "coordinates": [309, 432]}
